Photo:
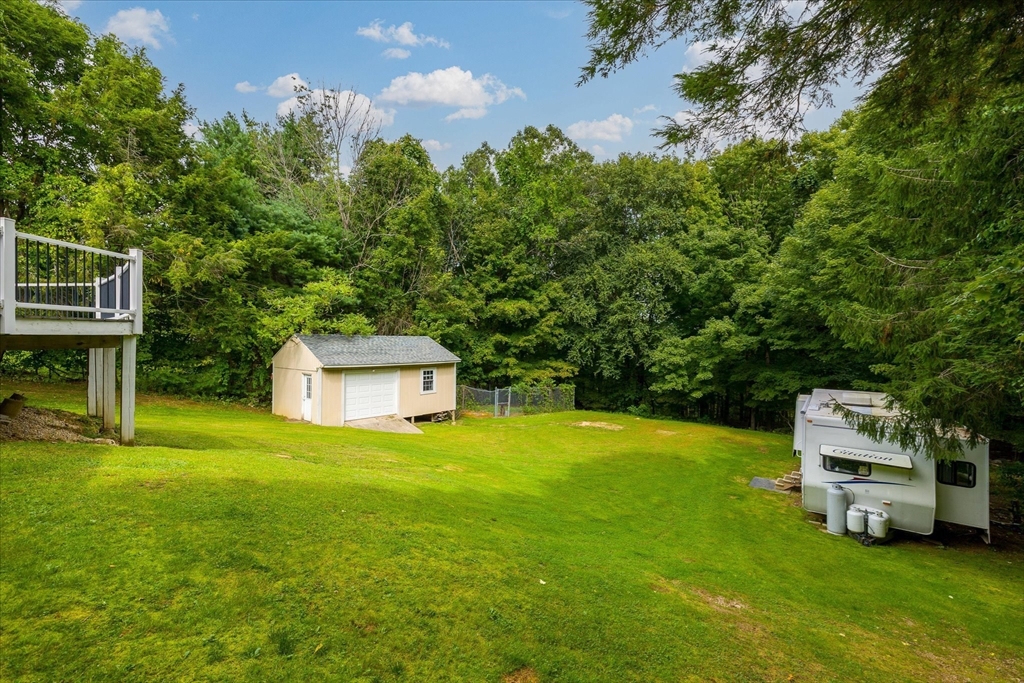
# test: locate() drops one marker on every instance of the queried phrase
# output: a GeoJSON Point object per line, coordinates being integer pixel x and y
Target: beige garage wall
{"type": "Point", "coordinates": [412, 402]}
{"type": "Point", "coordinates": [290, 363]}
{"type": "Point", "coordinates": [333, 392]}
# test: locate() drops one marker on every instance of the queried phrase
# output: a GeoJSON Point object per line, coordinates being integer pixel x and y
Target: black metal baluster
{"type": "Point", "coordinates": [25, 254]}
{"type": "Point", "coordinates": [60, 283]}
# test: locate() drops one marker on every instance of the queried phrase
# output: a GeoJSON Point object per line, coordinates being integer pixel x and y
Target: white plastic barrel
{"type": "Point", "coordinates": [835, 510]}
{"type": "Point", "coordinates": [855, 521]}
{"type": "Point", "coordinates": [878, 524]}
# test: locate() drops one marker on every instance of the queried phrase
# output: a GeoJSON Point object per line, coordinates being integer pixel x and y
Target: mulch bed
{"type": "Point", "coordinates": [53, 426]}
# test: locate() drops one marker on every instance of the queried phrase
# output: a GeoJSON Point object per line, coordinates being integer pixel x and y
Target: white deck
{"type": "Point", "coordinates": [60, 295]}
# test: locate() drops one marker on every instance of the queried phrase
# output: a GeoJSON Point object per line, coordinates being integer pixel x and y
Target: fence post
{"type": "Point", "coordinates": [496, 392]}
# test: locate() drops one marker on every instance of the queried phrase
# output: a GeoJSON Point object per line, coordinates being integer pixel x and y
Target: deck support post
{"type": "Point", "coordinates": [109, 385]}
{"type": "Point", "coordinates": [93, 401]}
{"type": "Point", "coordinates": [8, 276]}
{"type": "Point", "coordinates": [128, 347]}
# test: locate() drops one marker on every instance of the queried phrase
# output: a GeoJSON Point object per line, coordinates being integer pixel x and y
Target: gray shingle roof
{"type": "Point", "coordinates": [337, 350]}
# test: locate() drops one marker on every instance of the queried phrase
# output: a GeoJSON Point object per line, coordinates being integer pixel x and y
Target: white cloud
{"type": "Point", "coordinates": [558, 14]}
{"type": "Point", "coordinates": [138, 25]}
{"type": "Point", "coordinates": [403, 35]}
{"type": "Point", "coordinates": [598, 150]}
{"type": "Point", "coordinates": [795, 8]}
{"type": "Point", "coordinates": [192, 130]}
{"type": "Point", "coordinates": [451, 87]}
{"type": "Point", "coordinates": [284, 86]}
{"type": "Point", "coordinates": [698, 53]}
{"type": "Point", "coordinates": [435, 146]}
{"type": "Point", "coordinates": [69, 5]}
{"type": "Point", "coordinates": [611, 129]}
{"type": "Point", "coordinates": [644, 109]}
{"type": "Point", "coordinates": [467, 113]}
{"type": "Point", "coordinates": [396, 53]}
{"type": "Point", "coordinates": [246, 86]}
{"type": "Point", "coordinates": [361, 105]}
{"type": "Point", "coordinates": [195, 16]}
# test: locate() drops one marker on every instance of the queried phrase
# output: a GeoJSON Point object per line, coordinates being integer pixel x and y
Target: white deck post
{"type": "Point", "coordinates": [128, 346]}
{"type": "Point", "coordinates": [8, 276]}
{"type": "Point", "coordinates": [95, 381]}
{"type": "Point", "coordinates": [109, 384]}
{"type": "Point", "coordinates": [136, 290]}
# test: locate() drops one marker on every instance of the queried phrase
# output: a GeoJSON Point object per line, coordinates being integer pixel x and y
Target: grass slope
{"type": "Point", "coordinates": [234, 545]}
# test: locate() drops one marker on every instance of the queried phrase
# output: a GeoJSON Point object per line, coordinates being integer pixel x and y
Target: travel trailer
{"type": "Point", "coordinates": [868, 487]}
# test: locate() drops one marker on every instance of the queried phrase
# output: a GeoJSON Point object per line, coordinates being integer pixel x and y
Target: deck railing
{"type": "Point", "coordinates": [47, 279]}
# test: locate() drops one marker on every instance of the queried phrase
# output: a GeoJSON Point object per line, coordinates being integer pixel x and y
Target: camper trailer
{"type": "Point", "coordinates": [881, 481]}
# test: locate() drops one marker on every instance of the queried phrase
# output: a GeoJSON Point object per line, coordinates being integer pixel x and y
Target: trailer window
{"type": "Point", "coordinates": [957, 473]}
{"type": "Point", "coordinates": [845, 466]}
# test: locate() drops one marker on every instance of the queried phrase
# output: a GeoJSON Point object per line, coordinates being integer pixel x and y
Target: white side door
{"type": "Point", "coordinates": [370, 394]}
{"type": "Point", "coordinates": [307, 397]}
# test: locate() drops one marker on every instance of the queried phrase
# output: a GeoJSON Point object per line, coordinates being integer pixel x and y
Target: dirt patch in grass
{"type": "Point", "coordinates": [598, 425]}
{"type": "Point", "coordinates": [664, 432]}
{"type": "Point", "coordinates": [719, 601]}
{"type": "Point", "coordinates": [524, 675]}
{"type": "Point", "coordinates": [54, 426]}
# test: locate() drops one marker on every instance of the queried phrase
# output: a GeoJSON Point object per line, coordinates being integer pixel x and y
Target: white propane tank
{"type": "Point", "coordinates": [855, 521]}
{"type": "Point", "coordinates": [835, 510]}
{"type": "Point", "coordinates": [878, 523]}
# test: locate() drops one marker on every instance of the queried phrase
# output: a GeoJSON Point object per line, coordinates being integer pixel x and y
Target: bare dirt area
{"type": "Point", "coordinates": [598, 425]}
{"type": "Point", "coordinates": [54, 426]}
{"type": "Point", "coordinates": [524, 675]}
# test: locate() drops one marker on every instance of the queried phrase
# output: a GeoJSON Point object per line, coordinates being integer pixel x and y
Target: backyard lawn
{"type": "Point", "coordinates": [235, 545]}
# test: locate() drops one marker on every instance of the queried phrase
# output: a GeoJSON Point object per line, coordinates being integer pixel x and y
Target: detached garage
{"type": "Point", "coordinates": [331, 379]}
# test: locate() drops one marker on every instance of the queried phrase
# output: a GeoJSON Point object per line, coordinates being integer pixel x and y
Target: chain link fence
{"type": "Point", "coordinates": [515, 400]}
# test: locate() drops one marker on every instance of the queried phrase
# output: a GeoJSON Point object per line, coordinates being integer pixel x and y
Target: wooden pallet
{"type": "Point", "coordinates": [789, 481]}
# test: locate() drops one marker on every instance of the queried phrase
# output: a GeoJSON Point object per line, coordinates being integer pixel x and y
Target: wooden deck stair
{"type": "Point", "coordinates": [789, 481]}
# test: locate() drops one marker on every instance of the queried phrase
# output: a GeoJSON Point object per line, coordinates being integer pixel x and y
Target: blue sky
{"type": "Point", "coordinates": [455, 74]}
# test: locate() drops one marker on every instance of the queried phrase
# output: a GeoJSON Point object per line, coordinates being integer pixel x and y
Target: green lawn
{"type": "Point", "coordinates": [234, 545]}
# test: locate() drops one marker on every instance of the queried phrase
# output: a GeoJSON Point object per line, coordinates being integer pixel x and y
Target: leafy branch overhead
{"type": "Point", "coordinates": [767, 63]}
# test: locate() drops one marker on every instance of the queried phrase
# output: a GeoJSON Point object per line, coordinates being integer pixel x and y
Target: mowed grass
{"type": "Point", "coordinates": [234, 545]}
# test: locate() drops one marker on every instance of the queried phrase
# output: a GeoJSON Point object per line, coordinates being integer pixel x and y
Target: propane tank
{"type": "Point", "coordinates": [878, 523]}
{"type": "Point", "coordinates": [855, 521]}
{"type": "Point", "coordinates": [835, 510]}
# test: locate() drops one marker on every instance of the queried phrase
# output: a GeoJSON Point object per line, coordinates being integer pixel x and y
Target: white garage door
{"type": "Point", "coordinates": [369, 394]}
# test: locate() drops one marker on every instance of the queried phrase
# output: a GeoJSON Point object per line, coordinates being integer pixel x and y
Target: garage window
{"type": "Point", "coordinates": [427, 385]}
{"type": "Point", "coordinates": [957, 473]}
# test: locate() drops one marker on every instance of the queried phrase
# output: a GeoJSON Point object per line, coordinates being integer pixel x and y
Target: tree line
{"type": "Point", "coordinates": [879, 254]}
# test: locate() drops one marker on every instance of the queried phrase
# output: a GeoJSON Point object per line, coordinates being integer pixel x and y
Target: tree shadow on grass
{"type": "Point", "coordinates": [192, 440]}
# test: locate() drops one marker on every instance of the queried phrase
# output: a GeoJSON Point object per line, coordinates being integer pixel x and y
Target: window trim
{"type": "Point", "coordinates": [955, 467]}
{"type": "Point", "coordinates": [433, 381]}
{"type": "Point", "coordinates": [857, 464]}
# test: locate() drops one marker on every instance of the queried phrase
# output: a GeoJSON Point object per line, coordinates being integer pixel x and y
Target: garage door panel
{"type": "Point", "coordinates": [370, 394]}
